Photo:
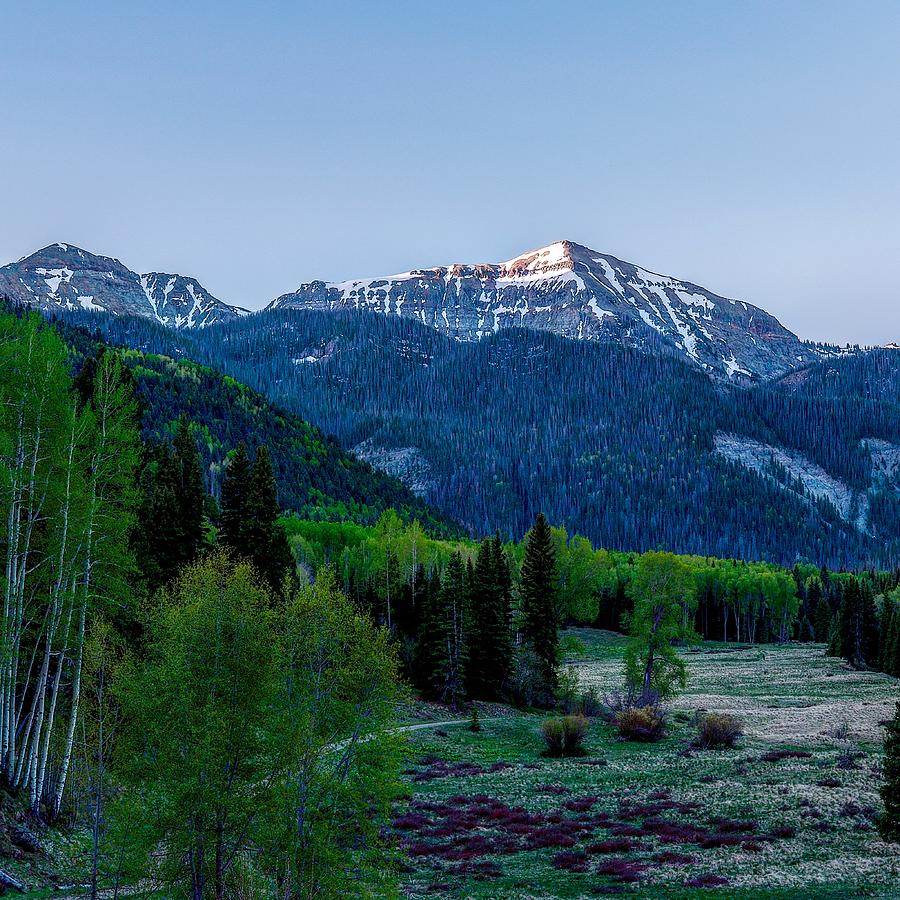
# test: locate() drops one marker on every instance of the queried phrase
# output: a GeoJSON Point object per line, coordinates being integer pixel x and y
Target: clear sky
{"type": "Point", "coordinates": [752, 147]}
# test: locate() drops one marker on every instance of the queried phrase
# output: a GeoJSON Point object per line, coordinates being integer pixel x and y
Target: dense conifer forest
{"type": "Point", "coordinates": [613, 443]}
{"type": "Point", "coordinates": [315, 476]}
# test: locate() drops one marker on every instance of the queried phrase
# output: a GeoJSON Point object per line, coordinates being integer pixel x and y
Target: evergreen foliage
{"type": "Point", "coordinates": [538, 605]}
{"type": "Point", "coordinates": [624, 452]}
{"type": "Point", "coordinates": [490, 652]}
{"type": "Point", "coordinates": [889, 821]}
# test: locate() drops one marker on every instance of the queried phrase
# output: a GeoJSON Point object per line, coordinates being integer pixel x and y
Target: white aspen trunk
{"type": "Point", "coordinates": [56, 604]}
{"type": "Point", "coordinates": [73, 713]}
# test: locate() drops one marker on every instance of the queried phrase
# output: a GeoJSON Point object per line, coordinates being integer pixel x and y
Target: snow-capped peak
{"type": "Point", "coordinates": [63, 276]}
{"type": "Point", "coordinates": [567, 288]}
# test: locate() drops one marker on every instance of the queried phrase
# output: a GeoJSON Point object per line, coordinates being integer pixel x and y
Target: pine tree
{"type": "Point", "coordinates": [893, 647]}
{"type": "Point", "coordinates": [870, 642]}
{"type": "Point", "coordinates": [822, 620]}
{"type": "Point", "coordinates": [889, 821]}
{"type": "Point", "coordinates": [442, 653]}
{"type": "Point", "coordinates": [850, 624]}
{"type": "Point", "coordinates": [267, 544]}
{"type": "Point", "coordinates": [490, 643]}
{"type": "Point", "coordinates": [157, 539]}
{"type": "Point", "coordinates": [499, 656]}
{"type": "Point", "coordinates": [889, 631]}
{"type": "Point", "coordinates": [235, 493]}
{"type": "Point", "coordinates": [190, 492]}
{"type": "Point", "coordinates": [538, 591]}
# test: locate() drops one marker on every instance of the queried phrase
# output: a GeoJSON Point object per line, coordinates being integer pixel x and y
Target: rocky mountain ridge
{"type": "Point", "coordinates": [577, 293]}
{"type": "Point", "coordinates": [64, 277]}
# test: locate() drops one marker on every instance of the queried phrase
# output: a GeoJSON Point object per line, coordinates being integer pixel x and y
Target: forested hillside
{"type": "Point", "coordinates": [315, 476]}
{"type": "Point", "coordinates": [634, 449]}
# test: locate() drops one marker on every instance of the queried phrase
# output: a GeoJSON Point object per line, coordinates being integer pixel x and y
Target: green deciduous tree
{"type": "Point", "coordinates": [653, 667]}
{"type": "Point", "coordinates": [338, 705]}
{"type": "Point", "coordinates": [203, 742]}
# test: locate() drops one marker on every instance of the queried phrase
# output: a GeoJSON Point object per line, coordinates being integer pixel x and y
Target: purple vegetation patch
{"type": "Point", "coordinates": [627, 870]}
{"type": "Point", "coordinates": [778, 755]}
{"type": "Point", "coordinates": [706, 881]}
{"type": "Point", "coordinates": [571, 860]}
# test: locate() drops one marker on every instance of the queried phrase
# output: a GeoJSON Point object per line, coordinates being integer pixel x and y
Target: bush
{"type": "Point", "coordinates": [591, 705]}
{"type": "Point", "coordinates": [717, 730]}
{"type": "Point", "coordinates": [611, 705]}
{"type": "Point", "coordinates": [566, 692]}
{"type": "Point", "coordinates": [526, 685]}
{"type": "Point", "coordinates": [641, 723]}
{"type": "Point", "coordinates": [564, 735]}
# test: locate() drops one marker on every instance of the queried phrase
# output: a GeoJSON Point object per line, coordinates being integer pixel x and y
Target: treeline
{"type": "Point", "coordinates": [382, 566]}
{"type": "Point", "coordinates": [167, 686]}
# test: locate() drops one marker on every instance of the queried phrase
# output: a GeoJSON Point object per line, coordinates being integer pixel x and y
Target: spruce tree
{"type": "Point", "coordinates": [499, 657]}
{"type": "Point", "coordinates": [870, 642]}
{"type": "Point", "coordinates": [191, 491]}
{"type": "Point", "coordinates": [490, 645]}
{"type": "Point", "coordinates": [888, 631]}
{"type": "Point", "coordinates": [441, 654]}
{"type": "Point", "coordinates": [889, 821]}
{"type": "Point", "coordinates": [538, 592]}
{"type": "Point", "coordinates": [850, 625]}
{"type": "Point", "coordinates": [822, 620]}
{"type": "Point", "coordinates": [235, 492]}
{"type": "Point", "coordinates": [171, 529]}
{"type": "Point", "coordinates": [893, 648]}
{"type": "Point", "coordinates": [267, 544]}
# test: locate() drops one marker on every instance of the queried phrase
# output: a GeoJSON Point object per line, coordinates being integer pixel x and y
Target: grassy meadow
{"type": "Point", "coordinates": [787, 813]}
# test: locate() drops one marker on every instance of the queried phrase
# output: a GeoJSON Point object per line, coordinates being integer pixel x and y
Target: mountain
{"type": "Point", "coordinates": [634, 450]}
{"type": "Point", "coordinates": [63, 277]}
{"type": "Point", "coordinates": [316, 477]}
{"type": "Point", "coordinates": [578, 293]}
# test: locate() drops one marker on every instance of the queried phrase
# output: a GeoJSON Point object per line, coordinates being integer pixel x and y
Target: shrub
{"type": "Point", "coordinates": [526, 685]}
{"type": "Point", "coordinates": [564, 735]}
{"type": "Point", "coordinates": [591, 705]}
{"type": "Point", "coordinates": [566, 693]}
{"type": "Point", "coordinates": [474, 724]}
{"type": "Point", "coordinates": [778, 755]}
{"type": "Point", "coordinates": [716, 731]}
{"type": "Point", "coordinates": [611, 705]}
{"type": "Point", "coordinates": [641, 723]}
{"type": "Point", "coordinates": [840, 732]}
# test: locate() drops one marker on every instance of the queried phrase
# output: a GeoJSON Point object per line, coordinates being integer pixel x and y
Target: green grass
{"type": "Point", "coordinates": [788, 697]}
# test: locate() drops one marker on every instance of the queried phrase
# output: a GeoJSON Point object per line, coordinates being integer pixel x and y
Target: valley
{"type": "Point", "coordinates": [664, 819]}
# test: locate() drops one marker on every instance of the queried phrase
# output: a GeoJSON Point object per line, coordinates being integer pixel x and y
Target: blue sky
{"type": "Point", "coordinates": [753, 148]}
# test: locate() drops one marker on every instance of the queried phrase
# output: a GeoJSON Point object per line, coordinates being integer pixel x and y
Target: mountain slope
{"type": "Point", "coordinates": [577, 293]}
{"type": "Point", "coordinates": [63, 277]}
{"type": "Point", "coordinates": [634, 450]}
{"type": "Point", "coordinates": [316, 477]}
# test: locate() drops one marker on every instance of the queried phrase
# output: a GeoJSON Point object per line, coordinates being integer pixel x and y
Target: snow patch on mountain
{"type": "Point", "coordinates": [578, 293]}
